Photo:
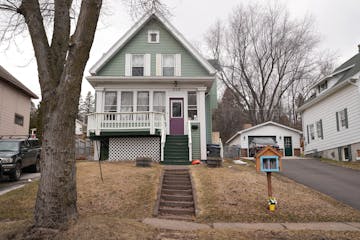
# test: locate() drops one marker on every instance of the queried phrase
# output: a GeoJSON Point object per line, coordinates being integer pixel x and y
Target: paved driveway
{"type": "Point", "coordinates": [6, 185]}
{"type": "Point", "coordinates": [340, 183]}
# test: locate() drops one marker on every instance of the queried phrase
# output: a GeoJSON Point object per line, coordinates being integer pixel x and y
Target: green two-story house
{"type": "Point", "coordinates": [155, 95]}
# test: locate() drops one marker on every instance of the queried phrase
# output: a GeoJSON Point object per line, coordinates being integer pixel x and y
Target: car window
{"type": "Point", "coordinates": [10, 146]}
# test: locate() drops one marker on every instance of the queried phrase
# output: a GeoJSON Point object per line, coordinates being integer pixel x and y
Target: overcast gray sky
{"type": "Point", "coordinates": [337, 22]}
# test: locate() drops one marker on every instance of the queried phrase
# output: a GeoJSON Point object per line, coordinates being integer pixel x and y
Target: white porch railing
{"type": "Point", "coordinates": [123, 121]}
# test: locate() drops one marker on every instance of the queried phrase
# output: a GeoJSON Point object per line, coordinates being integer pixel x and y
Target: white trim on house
{"type": "Point", "coordinates": [96, 81]}
{"type": "Point", "coordinates": [326, 94]}
{"type": "Point", "coordinates": [261, 125]}
{"type": "Point", "coordinates": [331, 75]}
{"type": "Point", "coordinates": [136, 28]}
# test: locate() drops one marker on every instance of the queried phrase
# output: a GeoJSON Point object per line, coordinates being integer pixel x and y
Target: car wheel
{"type": "Point", "coordinates": [36, 166]}
{"type": "Point", "coordinates": [17, 173]}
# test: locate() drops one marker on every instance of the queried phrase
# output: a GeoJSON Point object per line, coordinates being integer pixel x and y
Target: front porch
{"type": "Point", "coordinates": [133, 134]}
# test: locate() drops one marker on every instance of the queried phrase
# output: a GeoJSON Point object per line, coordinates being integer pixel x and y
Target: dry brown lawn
{"type": "Point", "coordinates": [238, 194]}
{"type": "Point", "coordinates": [127, 192]}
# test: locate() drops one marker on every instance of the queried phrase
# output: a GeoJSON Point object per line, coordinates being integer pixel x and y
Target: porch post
{"type": "Point", "coordinates": [202, 119]}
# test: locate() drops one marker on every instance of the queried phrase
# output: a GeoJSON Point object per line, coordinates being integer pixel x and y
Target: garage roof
{"type": "Point", "coordinates": [262, 125]}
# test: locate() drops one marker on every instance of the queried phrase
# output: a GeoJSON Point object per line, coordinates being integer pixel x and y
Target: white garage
{"type": "Point", "coordinates": [288, 139]}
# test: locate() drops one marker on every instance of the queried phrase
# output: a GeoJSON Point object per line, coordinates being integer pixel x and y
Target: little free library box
{"type": "Point", "coordinates": [268, 160]}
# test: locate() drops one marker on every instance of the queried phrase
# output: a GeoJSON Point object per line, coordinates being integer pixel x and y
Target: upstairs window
{"type": "Point", "coordinates": [342, 119]}
{"type": "Point", "coordinates": [159, 102]}
{"type": "Point", "coordinates": [137, 65]}
{"type": "Point", "coordinates": [110, 102]}
{"type": "Point", "coordinates": [323, 86]}
{"type": "Point", "coordinates": [168, 65]}
{"type": "Point", "coordinates": [19, 119]}
{"type": "Point", "coordinates": [192, 106]}
{"type": "Point", "coordinates": [153, 36]}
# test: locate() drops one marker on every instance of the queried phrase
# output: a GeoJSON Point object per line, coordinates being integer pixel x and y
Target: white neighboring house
{"type": "Point", "coordinates": [15, 105]}
{"type": "Point", "coordinates": [80, 127]}
{"type": "Point", "coordinates": [331, 120]}
{"type": "Point", "coordinates": [287, 138]}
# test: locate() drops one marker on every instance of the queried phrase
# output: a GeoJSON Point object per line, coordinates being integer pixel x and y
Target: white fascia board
{"type": "Point", "coordinates": [134, 29]}
{"type": "Point", "coordinates": [94, 80]}
{"type": "Point", "coordinates": [121, 42]}
{"type": "Point", "coordinates": [322, 96]}
{"type": "Point", "coordinates": [186, 44]}
{"type": "Point", "coordinates": [331, 75]}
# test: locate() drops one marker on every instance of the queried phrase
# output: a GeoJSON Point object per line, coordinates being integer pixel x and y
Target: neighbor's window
{"type": "Point", "coordinates": [342, 118]}
{"type": "Point", "coordinates": [19, 120]}
{"type": "Point", "coordinates": [322, 86]}
{"type": "Point", "coordinates": [137, 65]}
{"type": "Point", "coordinates": [110, 102]}
{"type": "Point", "coordinates": [192, 106]}
{"type": "Point", "coordinates": [312, 131]}
{"type": "Point", "coordinates": [159, 102]}
{"type": "Point", "coordinates": [153, 37]}
{"type": "Point", "coordinates": [168, 64]}
{"type": "Point", "coordinates": [319, 129]}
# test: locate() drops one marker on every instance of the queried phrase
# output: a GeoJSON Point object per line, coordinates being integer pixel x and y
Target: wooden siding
{"type": "Point", "coordinates": [348, 97]}
{"type": "Point", "coordinates": [13, 101]}
{"type": "Point", "coordinates": [139, 45]}
{"type": "Point", "coordinates": [211, 104]}
{"type": "Point", "coordinates": [195, 136]}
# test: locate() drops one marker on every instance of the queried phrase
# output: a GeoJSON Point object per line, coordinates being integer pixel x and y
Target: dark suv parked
{"type": "Point", "coordinates": [16, 154]}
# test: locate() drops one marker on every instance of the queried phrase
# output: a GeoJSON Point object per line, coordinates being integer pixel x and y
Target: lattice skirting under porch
{"type": "Point", "coordinates": [129, 148]}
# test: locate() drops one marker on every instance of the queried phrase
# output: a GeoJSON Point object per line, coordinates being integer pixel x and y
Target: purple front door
{"type": "Point", "coordinates": [176, 116]}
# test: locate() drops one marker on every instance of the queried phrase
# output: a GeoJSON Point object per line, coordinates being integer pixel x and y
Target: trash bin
{"type": "Point", "coordinates": [213, 150]}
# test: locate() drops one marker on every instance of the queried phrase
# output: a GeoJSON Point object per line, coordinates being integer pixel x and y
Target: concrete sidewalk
{"type": "Point", "coordinates": [191, 226]}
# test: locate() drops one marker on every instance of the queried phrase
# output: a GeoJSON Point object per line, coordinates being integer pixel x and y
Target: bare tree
{"type": "Point", "coordinates": [61, 58]}
{"type": "Point", "coordinates": [263, 52]}
{"type": "Point", "coordinates": [62, 33]}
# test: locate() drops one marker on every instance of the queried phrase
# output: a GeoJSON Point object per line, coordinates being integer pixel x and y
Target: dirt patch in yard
{"type": "Point", "coordinates": [238, 194]}
{"type": "Point", "coordinates": [127, 191]}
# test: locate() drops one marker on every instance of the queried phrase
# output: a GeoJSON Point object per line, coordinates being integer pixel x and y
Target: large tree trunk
{"type": "Point", "coordinates": [60, 67]}
{"type": "Point", "coordinates": [56, 198]}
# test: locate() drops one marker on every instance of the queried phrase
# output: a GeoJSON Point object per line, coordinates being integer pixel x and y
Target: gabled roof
{"type": "Point", "coordinates": [346, 71]}
{"type": "Point", "coordinates": [7, 77]}
{"type": "Point", "coordinates": [262, 125]}
{"type": "Point", "coordinates": [136, 28]}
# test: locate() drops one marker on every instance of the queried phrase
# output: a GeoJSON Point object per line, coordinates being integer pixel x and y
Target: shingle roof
{"type": "Point", "coordinates": [6, 76]}
{"type": "Point", "coordinates": [355, 60]}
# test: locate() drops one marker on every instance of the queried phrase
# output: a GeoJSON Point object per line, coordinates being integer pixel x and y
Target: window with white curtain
{"type": "Point", "coordinates": [159, 102]}
{"type": "Point", "coordinates": [110, 101]}
{"type": "Point", "coordinates": [168, 64]}
{"type": "Point", "coordinates": [127, 102]}
{"type": "Point", "coordinates": [143, 101]}
{"type": "Point", "coordinates": [137, 65]}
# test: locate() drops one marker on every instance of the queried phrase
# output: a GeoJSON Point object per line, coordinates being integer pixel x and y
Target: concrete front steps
{"type": "Point", "coordinates": [176, 198]}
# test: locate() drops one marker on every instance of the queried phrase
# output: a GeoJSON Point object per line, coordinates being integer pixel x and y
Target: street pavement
{"type": "Point", "coordinates": [6, 185]}
{"type": "Point", "coordinates": [341, 183]}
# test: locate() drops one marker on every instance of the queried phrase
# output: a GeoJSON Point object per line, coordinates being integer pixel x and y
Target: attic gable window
{"type": "Point", "coordinates": [153, 36]}
{"type": "Point", "coordinates": [323, 86]}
